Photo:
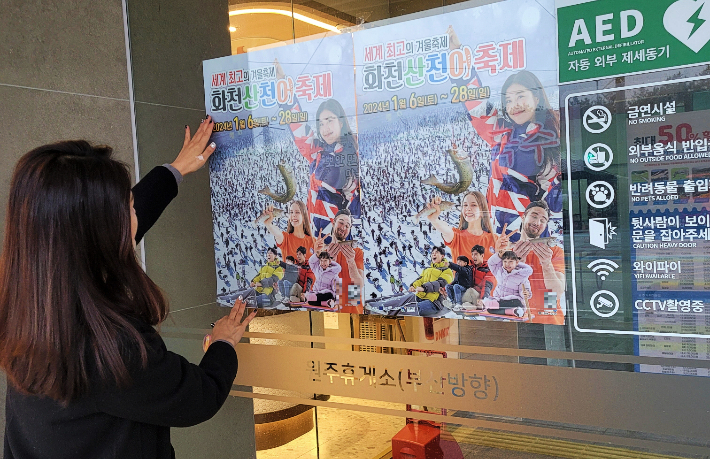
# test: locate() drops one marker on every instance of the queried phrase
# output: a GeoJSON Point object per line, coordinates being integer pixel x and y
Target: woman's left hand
{"type": "Point", "coordinates": [503, 241]}
{"type": "Point", "coordinates": [454, 42]}
{"type": "Point", "coordinates": [195, 151]}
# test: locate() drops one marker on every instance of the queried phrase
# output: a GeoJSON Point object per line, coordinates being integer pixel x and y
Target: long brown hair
{"type": "Point", "coordinates": [483, 206]}
{"type": "Point", "coordinates": [306, 219]}
{"type": "Point", "coordinates": [71, 288]}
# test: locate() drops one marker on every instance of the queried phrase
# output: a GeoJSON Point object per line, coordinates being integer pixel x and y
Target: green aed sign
{"type": "Point", "coordinates": [604, 38]}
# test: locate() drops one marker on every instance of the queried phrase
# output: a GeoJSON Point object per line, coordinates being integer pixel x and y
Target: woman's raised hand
{"type": "Point", "coordinates": [350, 187]}
{"type": "Point", "coordinates": [546, 177]}
{"type": "Point", "coordinates": [280, 75]}
{"type": "Point", "coordinates": [454, 42]}
{"type": "Point", "coordinates": [231, 327]}
{"type": "Point", "coordinates": [270, 212]}
{"type": "Point", "coordinates": [435, 203]}
{"type": "Point", "coordinates": [195, 150]}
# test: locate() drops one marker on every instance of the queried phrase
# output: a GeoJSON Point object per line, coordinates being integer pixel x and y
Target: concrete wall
{"type": "Point", "coordinates": [64, 75]}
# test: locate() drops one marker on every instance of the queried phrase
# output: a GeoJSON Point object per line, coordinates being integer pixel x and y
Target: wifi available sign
{"type": "Point", "coordinates": [606, 38]}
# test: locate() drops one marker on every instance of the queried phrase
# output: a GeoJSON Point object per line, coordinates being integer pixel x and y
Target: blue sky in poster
{"type": "Point", "coordinates": [498, 22]}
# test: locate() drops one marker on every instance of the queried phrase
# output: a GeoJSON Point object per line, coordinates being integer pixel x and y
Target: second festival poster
{"type": "Point", "coordinates": [458, 121]}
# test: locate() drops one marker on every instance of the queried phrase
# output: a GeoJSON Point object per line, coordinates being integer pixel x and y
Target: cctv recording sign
{"type": "Point", "coordinates": [640, 210]}
{"type": "Point", "coordinates": [606, 38]}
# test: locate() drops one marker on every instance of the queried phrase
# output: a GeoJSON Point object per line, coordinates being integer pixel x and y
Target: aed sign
{"type": "Point", "coordinates": [605, 38]}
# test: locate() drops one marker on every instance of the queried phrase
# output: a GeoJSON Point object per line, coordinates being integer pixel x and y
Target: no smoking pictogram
{"type": "Point", "coordinates": [597, 119]}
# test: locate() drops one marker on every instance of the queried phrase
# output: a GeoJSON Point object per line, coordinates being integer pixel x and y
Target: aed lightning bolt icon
{"type": "Point", "coordinates": [689, 22]}
{"type": "Point", "coordinates": [696, 20]}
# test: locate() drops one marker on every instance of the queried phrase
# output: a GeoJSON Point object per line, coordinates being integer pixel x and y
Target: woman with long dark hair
{"type": "Point", "coordinates": [88, 375]}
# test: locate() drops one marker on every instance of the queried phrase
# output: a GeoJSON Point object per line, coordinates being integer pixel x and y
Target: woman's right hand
{"type": "Point", "coordinates": [270, 212]}
{"type": "Point", "coordinates": [231, 327]}
{"type": "Point", "coordinates": [436, 204]}
{"type": "Point", "coordinates": [195, 151]}
{"type": "Point", "coordinates": [280, 75]}
{"type": "Point", "coordinates": [269, 224]}
{"type": "Point", "coordinates": [454, 42]}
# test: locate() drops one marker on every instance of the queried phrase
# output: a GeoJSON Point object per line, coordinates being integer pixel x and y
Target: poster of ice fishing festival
{"type": "Point", "coordinates": [398, 170]}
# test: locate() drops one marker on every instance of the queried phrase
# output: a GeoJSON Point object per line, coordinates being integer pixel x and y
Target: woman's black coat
{"type": "Point", "coordinates": [133, 422]}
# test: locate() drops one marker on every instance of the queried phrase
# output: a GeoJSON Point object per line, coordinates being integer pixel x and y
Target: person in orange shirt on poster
{"type": "Point", "coordinates": [547, 281]}
{"type": "Point", "coordinates": [351, 260]}
{"type": "Point", "coordinates": [297, 234]}
{"type": "Point", "coordinates": [474, 226]}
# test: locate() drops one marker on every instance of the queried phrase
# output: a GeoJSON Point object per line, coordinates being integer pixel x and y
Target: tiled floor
{"type": "Point", "coordinates": [345, 434]}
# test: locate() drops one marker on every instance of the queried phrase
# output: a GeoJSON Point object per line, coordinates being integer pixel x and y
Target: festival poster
{"type": "Point", "coordinates": [285, 178]}
{"type": "Point", "coordinates": [458, 121]}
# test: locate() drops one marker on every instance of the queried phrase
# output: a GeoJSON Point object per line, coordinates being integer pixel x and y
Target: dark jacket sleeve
{"type": "Point", "coordinates": [466, 279]}
{"type": "Point", "coordinates": [151, 196]}
{"type": "Point", "coordinates": [172, 392]}
{"type": "Point", "coordinates": [455, 267]}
